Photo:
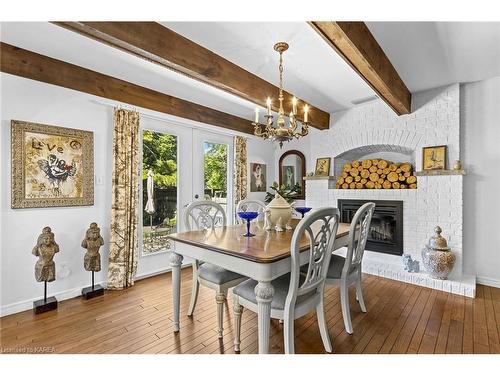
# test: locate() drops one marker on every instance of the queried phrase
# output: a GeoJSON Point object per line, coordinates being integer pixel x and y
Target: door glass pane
{"type": "Point", "coordinates": [215, 172]}
{"type": "Point", "coordinates": [160, 194]}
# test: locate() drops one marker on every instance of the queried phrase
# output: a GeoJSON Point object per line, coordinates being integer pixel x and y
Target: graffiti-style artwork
{"type": "Point", "coordinates": [52, 166]}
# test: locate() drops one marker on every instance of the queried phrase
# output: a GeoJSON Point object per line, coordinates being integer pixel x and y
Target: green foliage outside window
{"type": "Point", "coordinates": [215, 167]}
{"type": "Point", "coordinates": [160, 155]}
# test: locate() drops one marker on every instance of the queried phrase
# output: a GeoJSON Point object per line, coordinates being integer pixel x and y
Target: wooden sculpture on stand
{"type": "Point", "coordinates": [92, 260]}
{"type": "Point", "coordinates": [45, 268]}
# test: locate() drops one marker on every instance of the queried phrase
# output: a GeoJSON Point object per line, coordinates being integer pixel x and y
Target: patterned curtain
{"type": "Point", "coordinates": [123, 250]}
{"type": "Point", "coordinates": [240, 168]}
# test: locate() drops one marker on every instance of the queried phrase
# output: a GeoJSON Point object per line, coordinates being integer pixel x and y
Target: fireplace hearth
{"type": "Point", "coordinates": [386, 229]}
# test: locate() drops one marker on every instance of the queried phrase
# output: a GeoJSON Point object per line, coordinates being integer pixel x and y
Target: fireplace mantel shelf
{"type": "Point", "coordinates": [309, 178]}
{"type": "Point", "coordinates": [442, 172]}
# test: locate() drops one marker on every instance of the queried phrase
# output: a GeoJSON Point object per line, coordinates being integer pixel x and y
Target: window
{"type": "Point", "coordinates": [159, 215]}
{"type": "Point", "coordinates": [215, 172]}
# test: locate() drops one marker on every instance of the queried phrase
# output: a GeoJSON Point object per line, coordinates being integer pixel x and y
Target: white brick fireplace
{"type": "Point", "coordinates": [374, 129]}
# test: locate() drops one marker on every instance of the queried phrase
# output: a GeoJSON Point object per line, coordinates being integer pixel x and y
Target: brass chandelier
{"type": "Point", "coordinates": [279, 130]}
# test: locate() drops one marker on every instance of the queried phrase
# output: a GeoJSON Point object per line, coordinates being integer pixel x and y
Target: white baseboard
{"type": "Point", "coordinates": [28, 304]}
{"type": "Point", "coordinates": [16, 307]}
{"type": "Point", "coordinates": [488, 281]}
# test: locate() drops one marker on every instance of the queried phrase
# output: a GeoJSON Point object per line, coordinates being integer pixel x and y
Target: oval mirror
{"type": "Point", "coordinates": [292, 169]}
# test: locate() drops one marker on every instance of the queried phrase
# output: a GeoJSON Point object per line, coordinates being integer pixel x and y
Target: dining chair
{"type": "Point", "coordinates": [296, 294]}
{"type": "Point", "coordinates": [345, 271]}
{"type": "Point", "coordinates": [208, 215]}
{"type": "Point", "coordinates": [250, 205]}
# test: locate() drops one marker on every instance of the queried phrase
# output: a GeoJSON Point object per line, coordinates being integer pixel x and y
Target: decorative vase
{"type": "Point", "coordinates": [278, 214]}
{"type": "Point", "coordinates": [437, 257]}
{"type": "Point", "coordinates": [457, 166]}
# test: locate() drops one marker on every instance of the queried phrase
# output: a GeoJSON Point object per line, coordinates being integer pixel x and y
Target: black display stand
{"type": "Point", "coordinates": [45, 304]}
{"type": "Point", "coordinates": [92, 291]}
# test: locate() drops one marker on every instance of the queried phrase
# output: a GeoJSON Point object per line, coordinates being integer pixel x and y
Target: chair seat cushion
{"type": "Point", "coordinates": [281, 285]}
{"type": "Point", "coordinates": [216, 274]}
{"type": "Point", "coordinates": [335, 268]}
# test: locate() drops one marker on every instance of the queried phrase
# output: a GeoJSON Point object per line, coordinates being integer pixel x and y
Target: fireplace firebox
{"type": "Point", "coordinates": [386, 229]}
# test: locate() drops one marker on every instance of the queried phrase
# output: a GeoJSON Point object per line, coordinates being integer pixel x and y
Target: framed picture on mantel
{"type": "Point", "coordinates": [51, 166]}
{"type": "Point", "coordinates": [434, 158]}
{"type": "Point", "coordinates": [322, 167]}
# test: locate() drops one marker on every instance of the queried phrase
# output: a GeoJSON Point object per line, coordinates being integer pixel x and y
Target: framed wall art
{"type": "Point", "coordinates": [257, 177]}
{"type": "Point", "coordinates": [322, 167]}
{"type": "Point", "coordinates": [434, 158]}
{"type": "Point", "coordinates": [288, 173]}
{"type": "Point", "coordinates": [51, 166]}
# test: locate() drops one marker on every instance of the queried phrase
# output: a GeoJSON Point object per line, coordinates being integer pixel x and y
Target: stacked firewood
{"type": "Point", "coordinates": [377, 174]}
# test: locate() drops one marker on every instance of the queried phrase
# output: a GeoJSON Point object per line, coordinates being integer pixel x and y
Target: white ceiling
{"type": "Point", "coordinates": [433, 54]}
{"type": "Point", "coordinates": [62, 44]}
{"type": "Point", "coordinates": [312, 70]}
{"type": "Point", "coordinates": [426, 55]}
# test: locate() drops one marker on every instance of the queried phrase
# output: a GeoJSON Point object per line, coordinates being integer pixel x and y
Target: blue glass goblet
{"type": "Point", "coordinates": [303, 210]}
{"type": "Point", "coordinates": [248, 216]}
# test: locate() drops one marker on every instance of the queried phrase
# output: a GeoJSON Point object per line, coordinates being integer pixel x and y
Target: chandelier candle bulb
{"type": "Point", "coordinates": [268, 102]}
{"type": "Point", "coordinates": [294, 105]}
{"type": "Point", "coordinates": [256, 115]}
{"type": "Point", "coordinates": [306, 112]}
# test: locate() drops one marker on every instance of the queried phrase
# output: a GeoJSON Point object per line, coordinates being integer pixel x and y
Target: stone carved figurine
{"type": "Point", "coordinates": [45, 249]}
{"type": "Point", "coordinates": [92, 242]}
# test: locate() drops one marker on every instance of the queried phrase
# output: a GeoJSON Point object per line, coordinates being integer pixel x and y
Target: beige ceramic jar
{"type": "Point", "coordinates": [278, 214]}
{"type": "Point", "coordinates": [437, 257]}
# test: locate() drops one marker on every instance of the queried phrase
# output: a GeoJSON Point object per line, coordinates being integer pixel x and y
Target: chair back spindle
{"type": "Point", "coordinates": [320, 227]}
{"type": "Point", "coordinates": [358, 235]}
{"type": "Point", "coordinates": [204, 215]}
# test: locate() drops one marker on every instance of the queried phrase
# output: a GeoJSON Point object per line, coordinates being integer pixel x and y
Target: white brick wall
{"type": "Point", "coordinates": [437, 199]}
{"type": "Point", "coordinates": [434, 121]}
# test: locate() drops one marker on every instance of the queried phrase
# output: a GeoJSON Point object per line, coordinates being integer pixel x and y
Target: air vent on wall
{"type": "Point", "coordinates": [364, 100]}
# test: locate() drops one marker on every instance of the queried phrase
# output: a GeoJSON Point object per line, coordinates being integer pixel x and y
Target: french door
{"type": "Point", "coordinates": [213, 157]}
{"type": "Point", "coordinates": [186, 165]}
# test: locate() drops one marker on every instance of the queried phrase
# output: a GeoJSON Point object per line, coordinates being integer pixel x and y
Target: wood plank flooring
{"type": "Point", "coordinates": [401, 318]}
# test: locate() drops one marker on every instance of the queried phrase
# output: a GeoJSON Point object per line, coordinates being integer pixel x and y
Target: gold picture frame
{"type": "Point", "coordinates": [322, 167]}
{"type": "Point", "coordinates": [51, 166]}
{"type": "Point", "coordinates": [434, 158]}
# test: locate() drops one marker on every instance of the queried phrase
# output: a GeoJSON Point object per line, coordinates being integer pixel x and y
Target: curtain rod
{"type": "Point", "coordinates": [175, 122]}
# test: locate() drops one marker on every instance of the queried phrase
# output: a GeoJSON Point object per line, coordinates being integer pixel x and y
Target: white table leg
{"type": "Point", "coordinates": [175, 263]}
{"type": "Point", "coordinates": [264, 293]}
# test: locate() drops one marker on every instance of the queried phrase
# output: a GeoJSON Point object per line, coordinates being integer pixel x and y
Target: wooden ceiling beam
{"type": "Point", "coordinates": [357, 46]}
{"type": "Point", "coordinates": [27, 64]}
{"type": "Point", "coordinates": [158, 44]}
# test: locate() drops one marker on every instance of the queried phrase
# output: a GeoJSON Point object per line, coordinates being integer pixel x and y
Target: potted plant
{"type": "Point", "coordinates": [287, 192]}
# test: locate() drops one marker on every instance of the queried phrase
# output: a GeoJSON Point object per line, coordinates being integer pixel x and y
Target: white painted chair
{"type": "Point", "coordinates": [250, 205]}
{"type": "Point", "coordinates": [295, 295]}
{"type": "Point", "coordinates": [208, 215]}
{"type": "Point", "coordinates": [346, 271]}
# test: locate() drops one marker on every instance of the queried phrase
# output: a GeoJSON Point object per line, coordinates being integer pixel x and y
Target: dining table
{"type": "Point", "coordinates": [263, 258]}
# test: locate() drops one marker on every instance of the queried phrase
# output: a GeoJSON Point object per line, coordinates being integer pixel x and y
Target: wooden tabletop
{"type": "Point", "coordinates": [265, 247]}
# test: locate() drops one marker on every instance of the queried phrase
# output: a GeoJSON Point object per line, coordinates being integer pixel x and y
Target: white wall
{"type": "Point", "coordinates": [480, 122]}
{"type": "Point", "coordinates": [477, 145]}
{"type": "Point", "coordinates": [435, 120]}
{"type": "Point", "coordinates": [262, 152]}
{"type": "Point", "coordinates": [28, 100]}
{"type": "Point", "coordinates": [33, 101]}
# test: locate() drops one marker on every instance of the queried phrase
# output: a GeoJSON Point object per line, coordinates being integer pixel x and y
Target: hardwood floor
{"type": "Point", "coordinates": [401, 318]}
